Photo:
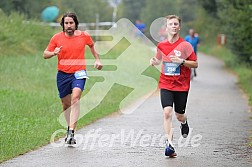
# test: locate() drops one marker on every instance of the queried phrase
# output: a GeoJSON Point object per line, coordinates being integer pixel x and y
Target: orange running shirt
{"type": "Point", "coordinates": [72, 55]}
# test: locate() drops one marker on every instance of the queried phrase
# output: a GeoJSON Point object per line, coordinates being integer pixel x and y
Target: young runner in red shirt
{"type": "Point", "coordinates": [69, 47]}
{"type": "Point", "coordinates": [177, 58]}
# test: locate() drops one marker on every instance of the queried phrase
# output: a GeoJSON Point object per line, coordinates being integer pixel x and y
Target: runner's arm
{"type": "Point", "coordinates": [157, 59]}
{"type": "Point", "coordinates": [47, 54]}
{"type": "Point", "coordinates": [154, 61]}
{"type": "Point", "coordinates": [97, 63]}
{"type": "Point", "coordinates": [190, 63]}
{"type": "Point", "coordinates": [187, 63]}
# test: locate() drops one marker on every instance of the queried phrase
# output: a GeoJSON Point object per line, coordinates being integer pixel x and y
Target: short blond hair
{"type": "Point", "coordinates": [169, 17]}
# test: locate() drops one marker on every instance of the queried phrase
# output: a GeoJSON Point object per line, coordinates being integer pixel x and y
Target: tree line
{"type": "Point", "coordinates": [208, 17]}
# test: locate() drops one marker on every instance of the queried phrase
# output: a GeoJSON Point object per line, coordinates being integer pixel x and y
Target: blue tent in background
{"type": "Point", "coordinates": [50, 14]}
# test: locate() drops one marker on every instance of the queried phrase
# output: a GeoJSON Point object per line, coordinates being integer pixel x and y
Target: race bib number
{"type": "Point", "coordinates": [80, 74]}
{"type": "Point", "coordinates": [171, 68]}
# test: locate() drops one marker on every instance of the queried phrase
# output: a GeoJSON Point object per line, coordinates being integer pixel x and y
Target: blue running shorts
{"type": "Point", "coordinates": [66, 82]}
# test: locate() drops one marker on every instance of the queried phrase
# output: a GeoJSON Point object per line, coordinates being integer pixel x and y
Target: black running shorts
{"type": "Point", "coordinates": [178, 98]}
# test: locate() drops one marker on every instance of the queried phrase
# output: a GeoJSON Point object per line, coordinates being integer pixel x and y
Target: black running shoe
{"type": "Point", "coordinates": [184, 129]}
{"type": "Point", "coordinates": [70, 138]}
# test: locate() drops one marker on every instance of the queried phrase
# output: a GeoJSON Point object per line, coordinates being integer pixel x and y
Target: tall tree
{"type": "Point", "coordinates": [158, 8]}
{"type": "Point", "coordinates": [210, 6]}
{"type": "Point", "coordinates": [131, 9]}
{"type": "Point", "coordinates": [30, 8]}
{"type": "Point", "coordinates": [235, 17]}
{"type": "Point", "coordinates": [87, 10]}
{"type": "Point", "coordinates": [188, 9]}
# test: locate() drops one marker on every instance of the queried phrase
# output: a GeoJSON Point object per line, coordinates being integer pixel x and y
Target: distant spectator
{"type": "Point", "coordinates": [141, 26]}
{"type": "Point", "coordinates": [193, 39]}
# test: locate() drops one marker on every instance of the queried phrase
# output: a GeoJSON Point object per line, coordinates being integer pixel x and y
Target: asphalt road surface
{"type": "Point", "coordinates": [217, 115]}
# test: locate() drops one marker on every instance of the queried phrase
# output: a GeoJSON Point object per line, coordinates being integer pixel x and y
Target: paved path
{"type": "Point", "coordinates": [217, 112]}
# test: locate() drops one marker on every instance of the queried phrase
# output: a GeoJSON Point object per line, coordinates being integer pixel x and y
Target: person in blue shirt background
{"type": "Point", "coordinates": [141, 26]}
{"type": "Point", "coordinates": [194, 41]}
